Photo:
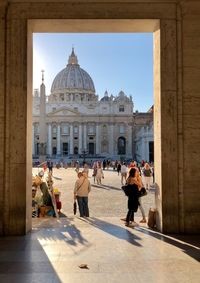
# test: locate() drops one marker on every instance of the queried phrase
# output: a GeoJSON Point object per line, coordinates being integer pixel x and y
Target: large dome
{"type": "Point", "coordinates": [73, 79]}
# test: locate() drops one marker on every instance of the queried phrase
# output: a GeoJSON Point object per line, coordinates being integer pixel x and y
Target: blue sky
{"type": "Point", "coordinates": [115, 62]}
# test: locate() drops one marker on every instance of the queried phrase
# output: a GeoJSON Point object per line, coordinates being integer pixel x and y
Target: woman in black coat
{"type": "Point", "coordinates": [133, 195]}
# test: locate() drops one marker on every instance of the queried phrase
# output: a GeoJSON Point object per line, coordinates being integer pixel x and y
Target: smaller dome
{"type": "Point", "coordinates": [106, 97]}
{"type": "Point", "coordinates": [121, 93]}
{"type": "Point", "coordinates": [122, 97]}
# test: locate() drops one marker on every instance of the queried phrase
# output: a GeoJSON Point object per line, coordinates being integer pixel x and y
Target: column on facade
{"type": "Point", "coordinates": [49, 139]}
{"type": "Point", "coordinates": [71, 144]}
{"type": "Point", "coordinates": [143, 153]}
{"type": "Point", "coordinates": [33, 139]}
{"type": "Point", "coordinates": [146, 144]}
{"type": "Point", "coordinates": [58, 139]}
{"type": "Point", "coordinates": [130, 142]}
{"type": "Point", "coordinates": [80, 142]}
{"type": "Point", "coordinates": [84, 137]}
{"type": "Point", "coordinates": [111, 139]}
{"type": "Point", "coordinates": [97, 139]}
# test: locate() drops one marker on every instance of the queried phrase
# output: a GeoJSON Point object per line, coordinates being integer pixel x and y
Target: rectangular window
{"type": "Point", "coordinates": [121, 129]}
{"type": "Point", "coordinates": [75, 130]}
{"type": "Point", "coordinates": [54, 130]}
{"type": "Point", "coordinates": [65, 129]}
{"type": "Point", "coordinates": [91, 130]}
{"type": "Point", "coordinates": [121, 108]}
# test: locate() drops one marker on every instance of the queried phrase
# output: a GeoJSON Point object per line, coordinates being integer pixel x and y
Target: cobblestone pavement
{"type": "Point", "coordinates": [107, 200]}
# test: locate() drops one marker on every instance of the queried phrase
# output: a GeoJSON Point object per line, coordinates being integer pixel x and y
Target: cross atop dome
{"type": "Point", "coordinates": [73, 58]}
{"type": "Point", "coordinates": [42, 71]}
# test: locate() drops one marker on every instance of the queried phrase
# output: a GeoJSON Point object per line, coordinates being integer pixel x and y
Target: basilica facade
{"type": "Point", "coordinates": [73, 121]}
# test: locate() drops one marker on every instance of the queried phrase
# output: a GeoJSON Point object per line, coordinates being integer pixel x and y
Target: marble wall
{"type": "Point", "coordinates": [177, 103]}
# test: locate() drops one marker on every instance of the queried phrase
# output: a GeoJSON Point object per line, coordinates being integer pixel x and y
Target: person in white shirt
{"type": "Point", "coordinates": [147, 174]}
{"type": "Point", "coordinates": [99, 174]}
{"type": "Point", "coordinates": [124, 171]}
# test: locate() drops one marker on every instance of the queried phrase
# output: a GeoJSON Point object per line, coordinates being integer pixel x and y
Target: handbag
{"type": "Point", "coordinates": [142, 192]}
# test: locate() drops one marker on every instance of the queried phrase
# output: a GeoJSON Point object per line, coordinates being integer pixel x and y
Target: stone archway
{"type": "Point", "coordinates": [17, 27]}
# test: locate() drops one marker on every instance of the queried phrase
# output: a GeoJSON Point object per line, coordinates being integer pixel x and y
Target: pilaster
{"type": "Point", "coordinates": [71, 144]}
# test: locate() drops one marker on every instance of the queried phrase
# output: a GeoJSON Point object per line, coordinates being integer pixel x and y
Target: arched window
{"type": "Point", "coordinates": [121, 129]}
{"type": "Point", "coordinates": [121, 145]}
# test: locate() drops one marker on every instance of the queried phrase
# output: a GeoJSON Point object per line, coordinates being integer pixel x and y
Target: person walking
{"type": "Point", "coordinates": [140, 185]}
{"type": "Point", "coordinates": [138, 181]}
{"type": "Point", "coordinates": [132, 197]}
{"type": "Point", "coordinates": [94, 171]}
{"type": "Point", "coordinates": [50, 166]}
{"type": "Point", "coordinates": [81, 190]}
{"type": "Point", "coordinates": [118, 168]}
{"type": "Point", "coordinates": [124, 171]}
{"type": "Point", "coordinates": [104, 164]}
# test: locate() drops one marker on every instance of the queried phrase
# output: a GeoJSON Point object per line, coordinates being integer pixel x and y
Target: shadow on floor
{"type": "Point", "coordinates": [61, 215]}
{"type": "Point", "coordinates": [17, 262]}
{"type": "Point", "coordinates": [65, 231]}
{"type": "Point", "coordinates": [189, 244]}
{"type": "Point", "coordinates": [114, 230]}
{"type": "Point", "coordinates": [106, 187]}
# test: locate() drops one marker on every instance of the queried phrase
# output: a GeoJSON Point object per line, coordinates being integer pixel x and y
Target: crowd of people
{"type": "Point", "coordinates": [132, 175]}
{"type": "Point", "coordinates": [136, 175]}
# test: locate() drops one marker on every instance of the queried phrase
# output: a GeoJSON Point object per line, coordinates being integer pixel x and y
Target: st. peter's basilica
{"type": "Point", "coordinates": [72, 120]}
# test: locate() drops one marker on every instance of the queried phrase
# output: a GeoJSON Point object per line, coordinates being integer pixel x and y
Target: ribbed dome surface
{"type": "Point", "coordinates": [73, 79]}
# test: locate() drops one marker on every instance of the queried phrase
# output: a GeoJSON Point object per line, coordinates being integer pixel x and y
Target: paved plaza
{"type": "Point", "coordinates": [105, 200]}
{"type": "Point", "coordinates": [112, 253]}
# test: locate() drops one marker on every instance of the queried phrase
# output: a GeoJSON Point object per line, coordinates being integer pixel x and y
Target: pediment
{"type": "Point", "coordinates": [64, 112]}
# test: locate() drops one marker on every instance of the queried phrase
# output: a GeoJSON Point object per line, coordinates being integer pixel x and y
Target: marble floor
{"type": "Point", "coordinates": [55, 249]}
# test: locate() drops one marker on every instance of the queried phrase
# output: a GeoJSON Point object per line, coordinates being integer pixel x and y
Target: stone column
{"type": "Point", "coordinates": [58, 139]}
{"type": "Point", "coordinates": [143, 149]}
{"type": "Point", "coordinates": [97, 139]}
{"type": "Point", "coordinates": [33, 139]}
{"type": "Point", "coordinates": [146, 149]}
{"type": "Point", "coordinates": [71, 144]}
{"type": "Point", "coordinates": [80, 143]}
{"type": "Point", "coordinates": [111, 139]}
{"type": "Point", "coordinates": [49, 141]}
{"type": "Point", "coordinates": [84, 137]}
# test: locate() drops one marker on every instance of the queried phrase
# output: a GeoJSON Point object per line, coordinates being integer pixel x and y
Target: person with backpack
{"type": "Point", "coordinates": [147, 174]}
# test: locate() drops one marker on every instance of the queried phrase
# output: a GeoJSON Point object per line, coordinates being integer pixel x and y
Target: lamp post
{"type": "Point", "coordinates": [84, 152]}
